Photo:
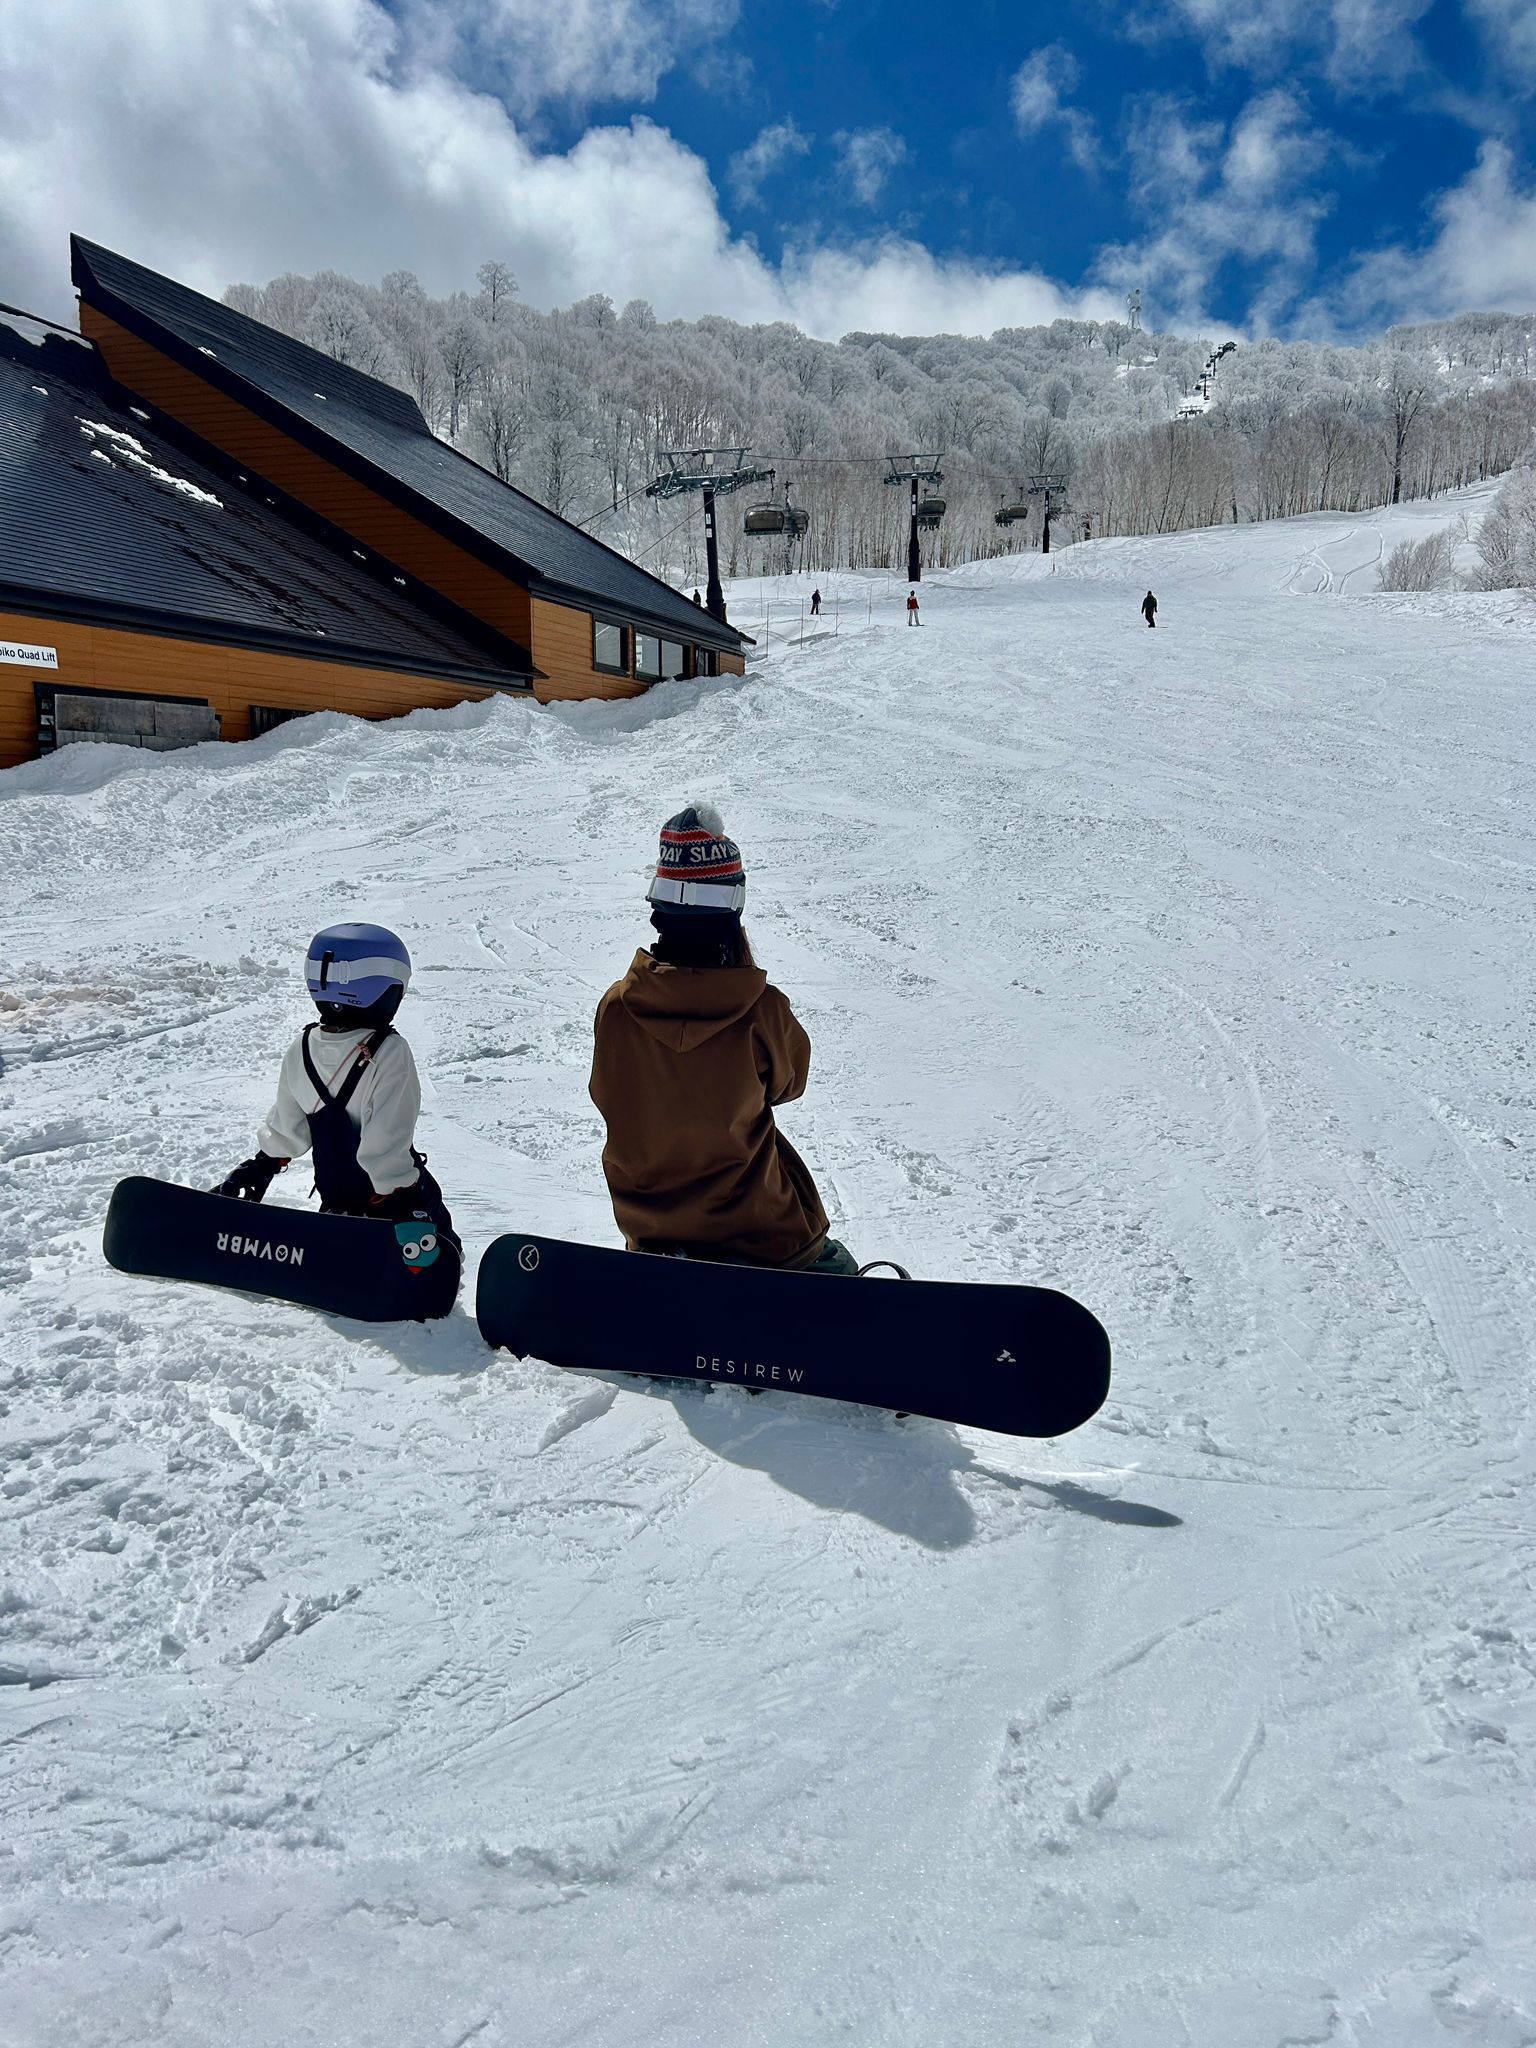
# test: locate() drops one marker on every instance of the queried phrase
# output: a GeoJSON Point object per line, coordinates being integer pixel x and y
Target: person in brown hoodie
{"type": "Point", "coordinates": [694, 1050]}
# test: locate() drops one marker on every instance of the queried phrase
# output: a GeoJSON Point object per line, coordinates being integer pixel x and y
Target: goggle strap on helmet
{"type": "Point", "coordinates": [354, 965]}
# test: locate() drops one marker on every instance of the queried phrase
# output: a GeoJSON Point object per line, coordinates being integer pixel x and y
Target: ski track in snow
{"type": "Point", "coordinates": [357, 1685]}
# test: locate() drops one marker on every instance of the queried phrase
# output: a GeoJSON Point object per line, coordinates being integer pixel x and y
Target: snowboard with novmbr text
{"type": "Point", "coordinates": [377, 1271]}
{"type": "Point", "coordinates": [1022, 1360]}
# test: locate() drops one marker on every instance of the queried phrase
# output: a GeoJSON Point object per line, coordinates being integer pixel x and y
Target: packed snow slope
{"type": "Point", "coordinates": [365, 1687]}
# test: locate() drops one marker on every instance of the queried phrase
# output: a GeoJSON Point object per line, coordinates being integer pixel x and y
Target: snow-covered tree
{"type": "Point", "coordinates": [1427, 564]}
{"type": "Point", "coordinates": [497, 286]}
{"type": "Point", "coordinates": [577, 405]}
{"type": "Point", "coordinates": [1507, 538]}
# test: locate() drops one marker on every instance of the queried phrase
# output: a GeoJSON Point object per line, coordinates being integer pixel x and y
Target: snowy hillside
{"type": "Point", "coordinates": [580, 406]}
{"type": "Point", "coordinates": [364, 1688]}
{"type": "Point", "coordinates": [1336, 554]}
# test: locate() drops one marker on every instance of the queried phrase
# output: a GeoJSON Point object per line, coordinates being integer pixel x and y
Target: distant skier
{"type": "Point", "coordinates": [815, 604]}
{"type": "Point", "coordinates": [912, 616]}
{"type": "Point", "coordinates": [1149, 609]}
{"type": "Point", "coordinates": [693, 1051]}
{"type": "Point", "coordinates": [347, 1089]}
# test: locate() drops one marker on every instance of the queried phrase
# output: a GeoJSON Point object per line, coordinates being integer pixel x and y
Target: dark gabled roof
{"type": "Point", "coordinates": [103, 518]}
{"type": "Point", "coordinates": [378, 435]}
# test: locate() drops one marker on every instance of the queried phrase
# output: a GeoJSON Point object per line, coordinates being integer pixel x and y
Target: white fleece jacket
{"type": "Point", "coordinates": [383, 1108]}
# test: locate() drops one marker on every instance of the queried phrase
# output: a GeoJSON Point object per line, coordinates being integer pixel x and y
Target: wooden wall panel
{"type": "Point", "coordinates": [232, 679]}
{"type": "Point", "coordinates": [411, 545]}
{"type": "Point", "coordinates": [562, 648]}
{"type": "Point", "coordinates": [733, 664]}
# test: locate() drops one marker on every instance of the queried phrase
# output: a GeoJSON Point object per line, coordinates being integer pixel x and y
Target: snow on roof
{"type": "Point", "coordinates": [95, 515]}
{"type": "Point", "coordinates": [127, 449]}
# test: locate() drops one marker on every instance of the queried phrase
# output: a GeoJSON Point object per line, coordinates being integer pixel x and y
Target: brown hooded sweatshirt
{"type": "Point", "coordinates": [688, 1065]}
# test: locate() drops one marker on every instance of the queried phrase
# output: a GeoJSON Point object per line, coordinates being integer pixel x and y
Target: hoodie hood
{"type": "Point", "coordinates": [684, 1007]}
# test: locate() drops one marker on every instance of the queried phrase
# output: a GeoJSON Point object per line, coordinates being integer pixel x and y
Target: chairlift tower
{"type": "Point", "coordinates": [928, 509]}
{"type": "Point", "coordinates": [715, 472]}
{"type": "Point", "coordinates": [1133, 307]}
{"type": "Point", "coordinates": [1052, 493]}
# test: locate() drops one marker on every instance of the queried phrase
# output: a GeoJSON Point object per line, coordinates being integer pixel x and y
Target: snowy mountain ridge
{"type": "Point", "coordinates": [579, 406]}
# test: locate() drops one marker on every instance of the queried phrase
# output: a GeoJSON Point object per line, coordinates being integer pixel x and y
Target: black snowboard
{"type": "Point", "coordinates": [378, 1272]}
{"type": "Point", "coordinates": [1022, 1360]}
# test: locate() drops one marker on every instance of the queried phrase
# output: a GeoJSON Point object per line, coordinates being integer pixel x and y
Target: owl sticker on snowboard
{"type": "Point", "coordinates": [418, 1243]}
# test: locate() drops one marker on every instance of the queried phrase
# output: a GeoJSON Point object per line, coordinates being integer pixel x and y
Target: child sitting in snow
{"type": "Point", "coordinates": [347, 1090]}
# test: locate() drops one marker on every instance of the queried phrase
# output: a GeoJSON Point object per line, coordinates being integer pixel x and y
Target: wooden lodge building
{"type": "Point", "coordinates": [207, 528]}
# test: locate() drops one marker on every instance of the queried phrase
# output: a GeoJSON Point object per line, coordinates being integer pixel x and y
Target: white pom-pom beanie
{"type": "Point", "coordinates": [699, 868]}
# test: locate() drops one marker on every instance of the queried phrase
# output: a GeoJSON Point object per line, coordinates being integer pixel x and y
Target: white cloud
{"type": "Point", "coordinates": [1039, 97]}
{"type": "Point", "coordinates": [1510, 28]}
{"type": "Point", "coordinates": [1359, 44]}
{"type": "Point", "coordinates": [235, 139]}
{"type": "Point", "coordinates": [1214, 192]}
{"type": "Point", "coordinates": [1480, 257]}
{"type": "Point", "coordinates": [1372, 43]}
{"type": "Point", "coordinates": [761, 159]}
{"type": "Point", "coordinates": [570, 53]}
{"type": "Point", "coordinates": [869, 155]}
{"type": "Point", "coordinates": [895, 286]}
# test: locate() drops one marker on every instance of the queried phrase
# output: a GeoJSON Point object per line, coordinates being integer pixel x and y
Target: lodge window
{"type": "Point", "coordinates": [655, 660]}
{"type": "Point", "coordinates": [71, 713]}
{"type": "Point", "coordinates": [610, 648]}
{"type": "Point", "coordinates": [268, 717]}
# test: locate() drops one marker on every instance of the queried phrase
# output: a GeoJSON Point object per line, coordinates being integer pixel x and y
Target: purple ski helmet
{"type": "Point", "coordinates": [353, 966]}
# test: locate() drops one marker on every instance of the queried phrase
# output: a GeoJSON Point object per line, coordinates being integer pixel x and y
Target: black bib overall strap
{"type": "Point", "coordinates": [339, 1181]}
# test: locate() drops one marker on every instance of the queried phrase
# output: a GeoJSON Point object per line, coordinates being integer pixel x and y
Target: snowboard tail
{"type": "Point", "coordinates": [375, 1271]}
{"type": "Point", "coordinates": [1025, 1361]}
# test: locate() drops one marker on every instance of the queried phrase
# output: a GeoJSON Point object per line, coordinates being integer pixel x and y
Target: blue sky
{"type": "Point", "coordinates": [1316, 167]}
{"type": "Point", "coordinates": [1373, 126]}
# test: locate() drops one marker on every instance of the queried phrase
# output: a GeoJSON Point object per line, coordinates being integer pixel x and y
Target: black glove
{"type": "Point", "coordinates": [400, 1204]}
{"type": "Point", "coordinates": [252, 1177]}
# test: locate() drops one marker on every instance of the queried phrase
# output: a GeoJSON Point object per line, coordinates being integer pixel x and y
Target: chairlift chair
{"type": "Point", "coordinates": [930, 510]}
{"type": "Point", "coordinates": [770, 519]}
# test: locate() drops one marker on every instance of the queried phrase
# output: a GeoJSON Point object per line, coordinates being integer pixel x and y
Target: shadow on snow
{"type": "Point", "coordinates": [902, 1476]}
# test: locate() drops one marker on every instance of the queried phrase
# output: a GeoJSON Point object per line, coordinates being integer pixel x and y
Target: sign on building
{"type": "Point", "coordinates": [22, 654]}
